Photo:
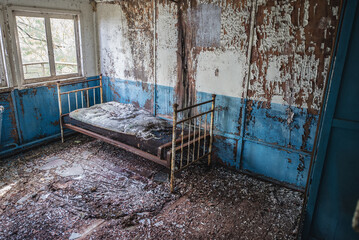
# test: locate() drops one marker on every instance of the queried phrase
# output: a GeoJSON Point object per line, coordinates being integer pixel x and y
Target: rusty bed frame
{"type": "Point", "coordinates": [181, 152]}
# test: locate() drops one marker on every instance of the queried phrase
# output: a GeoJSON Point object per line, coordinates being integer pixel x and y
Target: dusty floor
{"type": "Point", "coordinates": [86, 189]}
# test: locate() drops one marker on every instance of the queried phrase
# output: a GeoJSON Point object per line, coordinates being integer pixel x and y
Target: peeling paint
{"type": "Point", "coordinates": [126, 39]}
{"type": "Point", "coordinates": [270, 67]}
{"type": "Point", "coordinates": [8, 131]}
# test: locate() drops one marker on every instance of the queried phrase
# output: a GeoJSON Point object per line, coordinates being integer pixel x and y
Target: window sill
{"type": "Point", "coordinates": [6, 89]}
{"type": "Point", "coordinates": [51, 82]}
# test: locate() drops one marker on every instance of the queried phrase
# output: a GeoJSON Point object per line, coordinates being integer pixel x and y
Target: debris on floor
{"type": "Point", "coordinates": [87, 189]}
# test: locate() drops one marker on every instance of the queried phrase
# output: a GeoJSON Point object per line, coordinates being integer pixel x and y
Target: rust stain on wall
{"type": "Point", "coordinates": [290, 59]}
{"type": "Point", "coordinates": [137, 31]}
{"type": "Point", "coordinates": [127, 29]}
{"type": "Point", "coordinates": [139, 16]}
{"type": "Point", "coordinates": [291, 54]}
{"type": "Point", "coordinates": [288, 62]}
{"type": "Point", "coordinates": [249, 109]}
{"type": "Point", "coordinates": [301, 165]}
{"type": "Point", "coordinates": [306, 134]}
{"type": "Point", "coordinates": [186, 57]}
{"type": "Point", "coordinates": [229, 37]}
{"type": "Point", "coordinates": [6, 97]}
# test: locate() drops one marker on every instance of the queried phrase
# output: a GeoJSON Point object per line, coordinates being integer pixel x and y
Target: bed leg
{"type": "Point", "coordinates": [211, 129]}
{"type": "Point", "coordinates": [60, 111]}
{"type": "Point", "coordinates": [62, 134]}
{"type": "Point", "coordinates": [173, 162]}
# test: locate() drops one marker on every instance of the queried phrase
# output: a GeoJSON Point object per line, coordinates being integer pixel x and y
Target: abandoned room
{"type": "Point", "coordinates": [179, 119]}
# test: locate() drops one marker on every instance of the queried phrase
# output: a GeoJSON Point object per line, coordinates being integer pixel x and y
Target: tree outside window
{"type": "Point", "coordinates": [48, 46]}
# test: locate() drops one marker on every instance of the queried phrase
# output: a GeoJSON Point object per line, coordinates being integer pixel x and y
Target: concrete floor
{"type": "Point", "coordinates": [87, 189]}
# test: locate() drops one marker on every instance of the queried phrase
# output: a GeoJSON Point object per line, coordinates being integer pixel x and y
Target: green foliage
{"type": "Point", "coordinates": [34, 50]}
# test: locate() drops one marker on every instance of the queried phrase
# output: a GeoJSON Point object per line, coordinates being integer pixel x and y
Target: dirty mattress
{"type": "Point", "coordinates": [125, 123]}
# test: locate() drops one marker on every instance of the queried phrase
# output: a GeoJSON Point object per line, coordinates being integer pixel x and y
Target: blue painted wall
{"type": "Point", "coordinates": [287, 63]}
{"type": "Point", "coordinates": [32, 115]}
{"type": "Point", "coordinates": [334, 189]}
{"type": "Point", "coordinates": [9, 134]}
{"type": "Point", "coordinates": [270, 147]}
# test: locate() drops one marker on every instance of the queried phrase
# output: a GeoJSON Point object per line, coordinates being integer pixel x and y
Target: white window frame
{"type": "Point", "coordinates": [4, 60]}
{"type": "Point", "coordinates": [46, 14]}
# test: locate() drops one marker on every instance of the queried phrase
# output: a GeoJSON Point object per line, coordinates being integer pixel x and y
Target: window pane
{"type": "Point", "coordinates": [3, 82]}
{"type": "Point", "coordinates": [2, 75]}
{"type": "Point", "coordinates": [64, 44]}
{"type": "Point", "coordinates": [33, 46]}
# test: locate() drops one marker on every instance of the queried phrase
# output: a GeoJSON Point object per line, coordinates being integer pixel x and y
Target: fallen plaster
{"type": "Point", "coordinates": [86, 189]}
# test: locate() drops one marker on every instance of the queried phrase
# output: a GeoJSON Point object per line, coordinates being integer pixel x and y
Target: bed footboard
{"type": "Point", "coordinates": [193, 125]}
{"type": "Point", "coordinates": [196, 137]}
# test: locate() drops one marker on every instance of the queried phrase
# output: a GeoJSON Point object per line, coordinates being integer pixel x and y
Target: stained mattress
{"type": "Point", "coordinates": [125, 123]}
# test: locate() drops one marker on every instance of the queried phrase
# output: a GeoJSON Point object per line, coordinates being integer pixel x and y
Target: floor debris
{"type": "Point", "coordinates": [87, 189]}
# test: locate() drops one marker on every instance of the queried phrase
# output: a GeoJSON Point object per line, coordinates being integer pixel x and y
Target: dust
{"type": "Point", "coordinates": [87, 189]}
{"type": "Point", "coordinates": [122, 118]}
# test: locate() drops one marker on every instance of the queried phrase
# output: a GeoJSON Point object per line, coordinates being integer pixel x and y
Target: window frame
{"type": "Point", "coordinates": [47, 14]}
{"type": "Point", "coordinates": [4, 60]}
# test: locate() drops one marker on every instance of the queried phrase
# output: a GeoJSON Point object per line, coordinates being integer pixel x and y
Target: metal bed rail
{"type": "Point", "coordinates": [195, 138]}
{"type": "Point", "coordinates": [84, 97]}
{"type": "Point", "coordinates": [195, 145]}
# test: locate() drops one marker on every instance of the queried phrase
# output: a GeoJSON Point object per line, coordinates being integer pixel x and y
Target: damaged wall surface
{"type": "Point", "coordinates": [127, 51]}
{"type": "Point", "coordinates": [31, 111]}
{"type": "Point", "coordinates": [267, 61]}
{"type": "Point", "coordinates": [333, 192]}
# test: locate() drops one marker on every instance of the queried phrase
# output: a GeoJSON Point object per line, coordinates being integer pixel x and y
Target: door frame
{"type": "Point", "coordinates": [344, 32]}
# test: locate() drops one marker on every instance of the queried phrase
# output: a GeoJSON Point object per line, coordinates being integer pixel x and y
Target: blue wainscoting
{"type": "Point", "coordinates": [270, 146]}
{"type": "Point", "coordinates": [32, 115]}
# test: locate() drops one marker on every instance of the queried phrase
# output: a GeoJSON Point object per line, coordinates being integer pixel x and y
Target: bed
{"type": "Point", "coordinates": [175, 144]}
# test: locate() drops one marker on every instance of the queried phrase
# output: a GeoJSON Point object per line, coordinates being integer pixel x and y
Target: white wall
{"type": "Point", "coordinates": [126, 41]}
{"type": "Point", "coordinates": [287, 63]}
{"type": "Point", "coordinates": [88, 35]}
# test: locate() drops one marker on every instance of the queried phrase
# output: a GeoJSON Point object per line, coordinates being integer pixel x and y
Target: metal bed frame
{"type": "Point", "coordinates": [176, 155]}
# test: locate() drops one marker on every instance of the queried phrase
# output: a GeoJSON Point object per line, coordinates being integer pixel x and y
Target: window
{"type": "Point", "coordinates": [47, 45]}
{"type": "Point", "coordinates": [3, 78]}
{"type": "Point", "coordinates": [3, 69]}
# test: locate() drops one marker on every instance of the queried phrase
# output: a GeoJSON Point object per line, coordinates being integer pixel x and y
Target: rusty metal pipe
{"type": "Point", "coordinates": [186, 145]}
{"type": "Point", "coordinates": [194, 138]}
{"type": "Point", "coordinates": [118, 144]}
{"type": "Point", "coordinates": [175, 106]}
{"type": "Point", "coordinates": [189, 140]}
{"type": "Point", "coordinates": [205, 133]}
{"type": "Point", "coordinates": [101, 89]}
{"type": "Point", "coordinates": [76, 82]}
{"type": "Point", "coordinates": [60, 111]}
{"type": "Point", "coordinates": [193, 106]}
{"type": "Point", "coordinates": [186, 166]}
{"type": "Point", "coordinates": [69, 102]}
{"type": "Point", "coordinates": [88, 97]}
{"type": "Point", "coordinates": [77, 106]}
{"type": "Point", "coordinates": [199, 137]}
{"type": "Point", "coordinates": [182, 145]}
{"type": "Point", "coordinates": [211, 129]}
{"type": "Point", "coordinates": [80, 90]}
{"type": "Point", "coordinates": [94, 96]}
{"type": "Point", "coordinates": [82, 99]}
{"type": "Point", "coordinates": [195, 116]}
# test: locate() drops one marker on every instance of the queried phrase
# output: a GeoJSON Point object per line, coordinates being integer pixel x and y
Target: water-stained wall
{"type": "Point", "coordinates": [125, 30]}
{"type": "Point", "coordinates": [267, 61]}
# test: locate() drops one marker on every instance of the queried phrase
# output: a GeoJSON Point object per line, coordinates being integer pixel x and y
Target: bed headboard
{"type": "Point", "coordinates": [81, 97]}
